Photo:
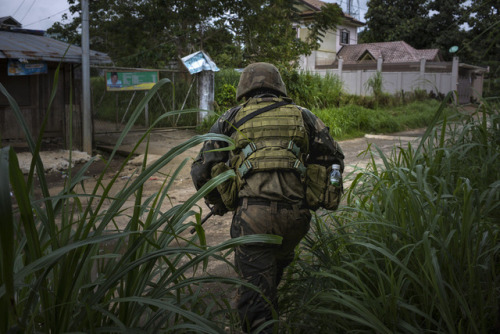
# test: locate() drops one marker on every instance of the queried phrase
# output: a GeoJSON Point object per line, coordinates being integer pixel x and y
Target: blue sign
{"type": "Point", "coordinates": [16, 67]}
{"type": "Point", "coordinates": [199, 61]}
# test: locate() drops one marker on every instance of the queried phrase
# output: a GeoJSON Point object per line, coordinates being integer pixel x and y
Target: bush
{"type": "Point", "coordinates": [225, 98]}
{"type": "Point", "coordinates": [312, 90]}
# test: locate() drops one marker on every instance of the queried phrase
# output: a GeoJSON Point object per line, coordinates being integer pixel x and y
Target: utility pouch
{"type": "Point", "coordinates": [319, 191]}
{"type": "Point", "coordinates": [228, 190]}
{"type": "Point", "coordinates": [332, 197]}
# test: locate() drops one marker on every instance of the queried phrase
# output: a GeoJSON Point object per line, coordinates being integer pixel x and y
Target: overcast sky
{"type": "Point", "coordinates": [41, 14]}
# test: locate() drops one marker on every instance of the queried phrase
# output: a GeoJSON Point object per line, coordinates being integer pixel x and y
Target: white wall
{"type": "Point", "coordinates": [393, 82]}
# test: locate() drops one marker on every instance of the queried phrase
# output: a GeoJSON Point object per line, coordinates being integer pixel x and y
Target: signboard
{"type": "Point", "coordinates": [126, 81]}
{"type": "Point", "coordinates": [199, 61]}
{"type": "Point", "coordinates": [15, 67]}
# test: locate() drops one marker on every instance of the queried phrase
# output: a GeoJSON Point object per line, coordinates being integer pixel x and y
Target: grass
{"type": "Point", "coordinates": [415, 248]}
{"type": "Point", "coordinates": [352, 121]}
{"type": "Point", "coordinates": [83, 260]}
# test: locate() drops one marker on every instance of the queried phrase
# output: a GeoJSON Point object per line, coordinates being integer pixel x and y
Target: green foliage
{"type": "Point", "coordinates": [395, 21]}
{"type": "Point", "coordinates": [153, 33]}
{"type": "Point", "coordinates": [99, 257]}
{"type": "Point", "coordinates": [415, 247]}
{"type": "Point", "coordinates": [264, 29]}
{"type": "Point", "coordinates": [375, 84]}
{"type": "Point", "coordinates": [225, 97]}
{"type": "Point", "coordinates": [312, 90]}
{"type": "Point", "coordinates": [352, 120]}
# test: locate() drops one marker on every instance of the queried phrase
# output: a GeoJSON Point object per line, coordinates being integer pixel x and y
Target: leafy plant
{"type": "Point", "coordinates": [106, 259]}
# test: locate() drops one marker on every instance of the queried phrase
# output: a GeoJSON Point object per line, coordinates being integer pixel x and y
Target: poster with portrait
{"type": "Point", "coordinates": [130, 80]}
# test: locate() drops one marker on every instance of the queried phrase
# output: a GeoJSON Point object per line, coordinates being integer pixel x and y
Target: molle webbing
{"type": "Point", "coordinates": [259, 111]}
{"type": "Point", "coordinates": [273, 139]}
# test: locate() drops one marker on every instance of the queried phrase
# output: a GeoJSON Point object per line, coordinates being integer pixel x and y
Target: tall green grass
{"type": "Point", "coordinates": [354, 121]}
{"type": "Point", "coordinates": [101, 258]}
{"type": "Point", "coordinates": [313, 91]}
{"type": "Point", "coordinates": [415, 248]}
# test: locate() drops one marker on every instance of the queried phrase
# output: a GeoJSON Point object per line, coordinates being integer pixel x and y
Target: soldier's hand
{"type": "Point", "coordinates": [219, 209]}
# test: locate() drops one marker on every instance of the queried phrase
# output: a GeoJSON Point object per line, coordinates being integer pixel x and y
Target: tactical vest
{"type": "Point", "coordinates": [272, 138]}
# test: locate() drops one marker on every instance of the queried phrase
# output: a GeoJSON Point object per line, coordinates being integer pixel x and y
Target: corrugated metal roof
{"type": "Point", "coordinates": [19, 45]}
{"type": "Point", "coordinates": [391, 52]}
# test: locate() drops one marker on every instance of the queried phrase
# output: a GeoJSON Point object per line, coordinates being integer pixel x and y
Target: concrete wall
{"type": "Point", "coordinates": [393, 82]}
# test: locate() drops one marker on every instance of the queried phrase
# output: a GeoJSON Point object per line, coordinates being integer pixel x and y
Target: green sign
{"type": "Point", "coordinates": [137, 80]}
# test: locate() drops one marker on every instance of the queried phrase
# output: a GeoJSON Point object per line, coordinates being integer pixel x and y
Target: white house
{"type": "Point", "coordinates": [345, 34]}
{"type": "Point", "coordinates": [403, 67]}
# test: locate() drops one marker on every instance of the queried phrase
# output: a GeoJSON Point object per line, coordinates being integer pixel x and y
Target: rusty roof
{"type": "Point", "coordinates": [391, 52]}
{"type": "Point", "coordinates": [24, 45]}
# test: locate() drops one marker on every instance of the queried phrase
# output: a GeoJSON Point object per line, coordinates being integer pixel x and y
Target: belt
{"type": "Point", "coordinates": [244, 201]}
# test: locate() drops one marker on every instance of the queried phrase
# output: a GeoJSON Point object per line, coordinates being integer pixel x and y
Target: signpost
{"type": "Point", "coordinates": [200, 63]}
{"type": "Point", "coordinates": [132, 81]}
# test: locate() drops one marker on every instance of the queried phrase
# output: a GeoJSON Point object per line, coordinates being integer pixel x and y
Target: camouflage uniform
{"type": "Point", "coordinates": [270, 202]}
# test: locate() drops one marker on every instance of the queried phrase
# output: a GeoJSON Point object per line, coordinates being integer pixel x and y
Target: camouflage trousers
{"type": "Point", "coordinates": [263, 264]}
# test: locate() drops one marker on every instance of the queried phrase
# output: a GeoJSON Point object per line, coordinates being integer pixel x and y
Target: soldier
{"type": "Point", "coordinates": [282, 160]}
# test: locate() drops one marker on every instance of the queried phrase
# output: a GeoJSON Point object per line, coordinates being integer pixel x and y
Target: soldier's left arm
{"type": "Point", "coordinates": [323, 149]}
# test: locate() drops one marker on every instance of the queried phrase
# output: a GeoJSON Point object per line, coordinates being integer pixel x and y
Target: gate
{"type": "Point", "coordinates": [112, 109]}
{"type": "Point", "coordinates": [464, 90]}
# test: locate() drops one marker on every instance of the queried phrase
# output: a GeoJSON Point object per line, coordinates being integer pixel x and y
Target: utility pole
{"type": "Point", "coordinates": [86, 113]}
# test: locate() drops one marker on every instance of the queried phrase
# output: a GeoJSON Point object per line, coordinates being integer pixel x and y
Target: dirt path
{"type": "Point", "coordinates": [161, 141]}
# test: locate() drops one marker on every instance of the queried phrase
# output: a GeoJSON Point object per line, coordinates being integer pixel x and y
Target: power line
{"type": "Point", "coordinates": [28, 10]}
{"type": "Point", "coordinates": [48, 17]}
{"type": "Point", "coordinates": [18, 8]}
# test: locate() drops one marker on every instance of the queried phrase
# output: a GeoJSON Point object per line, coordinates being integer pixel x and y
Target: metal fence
{"type": "Point", "coordinates": [113, 109]}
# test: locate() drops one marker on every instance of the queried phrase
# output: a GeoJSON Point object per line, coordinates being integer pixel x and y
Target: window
{"type": "Point", "coordinates": [344, 37]}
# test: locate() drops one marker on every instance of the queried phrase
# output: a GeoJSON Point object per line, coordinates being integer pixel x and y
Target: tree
{"type": "Point", "coordinates": [154, 32]}
{"type": "Point", "coordinates": [266, 32]}
{"type": "Point", "coordinates": [422, 23]}
{"type": "Point", "coordinates": [445, 25]}
{"type": "Point", "coordinates": [396, 20]}
{"type": "Point", "coordinates": [483, 37]}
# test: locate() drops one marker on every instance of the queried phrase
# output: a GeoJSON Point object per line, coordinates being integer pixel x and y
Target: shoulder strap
{"type": "Point", "coordinates": [260, 111]}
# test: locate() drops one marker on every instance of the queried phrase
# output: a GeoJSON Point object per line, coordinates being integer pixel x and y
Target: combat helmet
{"type": "Point", "coordinates": [260, 75]}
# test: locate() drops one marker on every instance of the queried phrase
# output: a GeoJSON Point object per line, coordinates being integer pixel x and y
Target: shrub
{"type": "Point", "coordinates": [225, 98]}
{"type": "Point", "coordinates": [312, 90]}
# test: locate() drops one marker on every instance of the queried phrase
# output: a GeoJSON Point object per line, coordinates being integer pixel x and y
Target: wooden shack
{"type": "Point", "coordinates": [32, 66]}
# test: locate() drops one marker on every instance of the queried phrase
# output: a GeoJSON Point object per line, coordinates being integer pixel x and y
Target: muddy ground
{"type": "Point", "coordinates": [161, 141]}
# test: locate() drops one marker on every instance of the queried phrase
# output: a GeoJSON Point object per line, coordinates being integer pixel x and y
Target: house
{"type": "Point", "coordinates": [28, 64]}
{"type": "Point", "coordinates": [403, 67]}
{"type": "Point", "coordinates": [392, 54]}
{"type": "Point", "coordinates": [345, 34]}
